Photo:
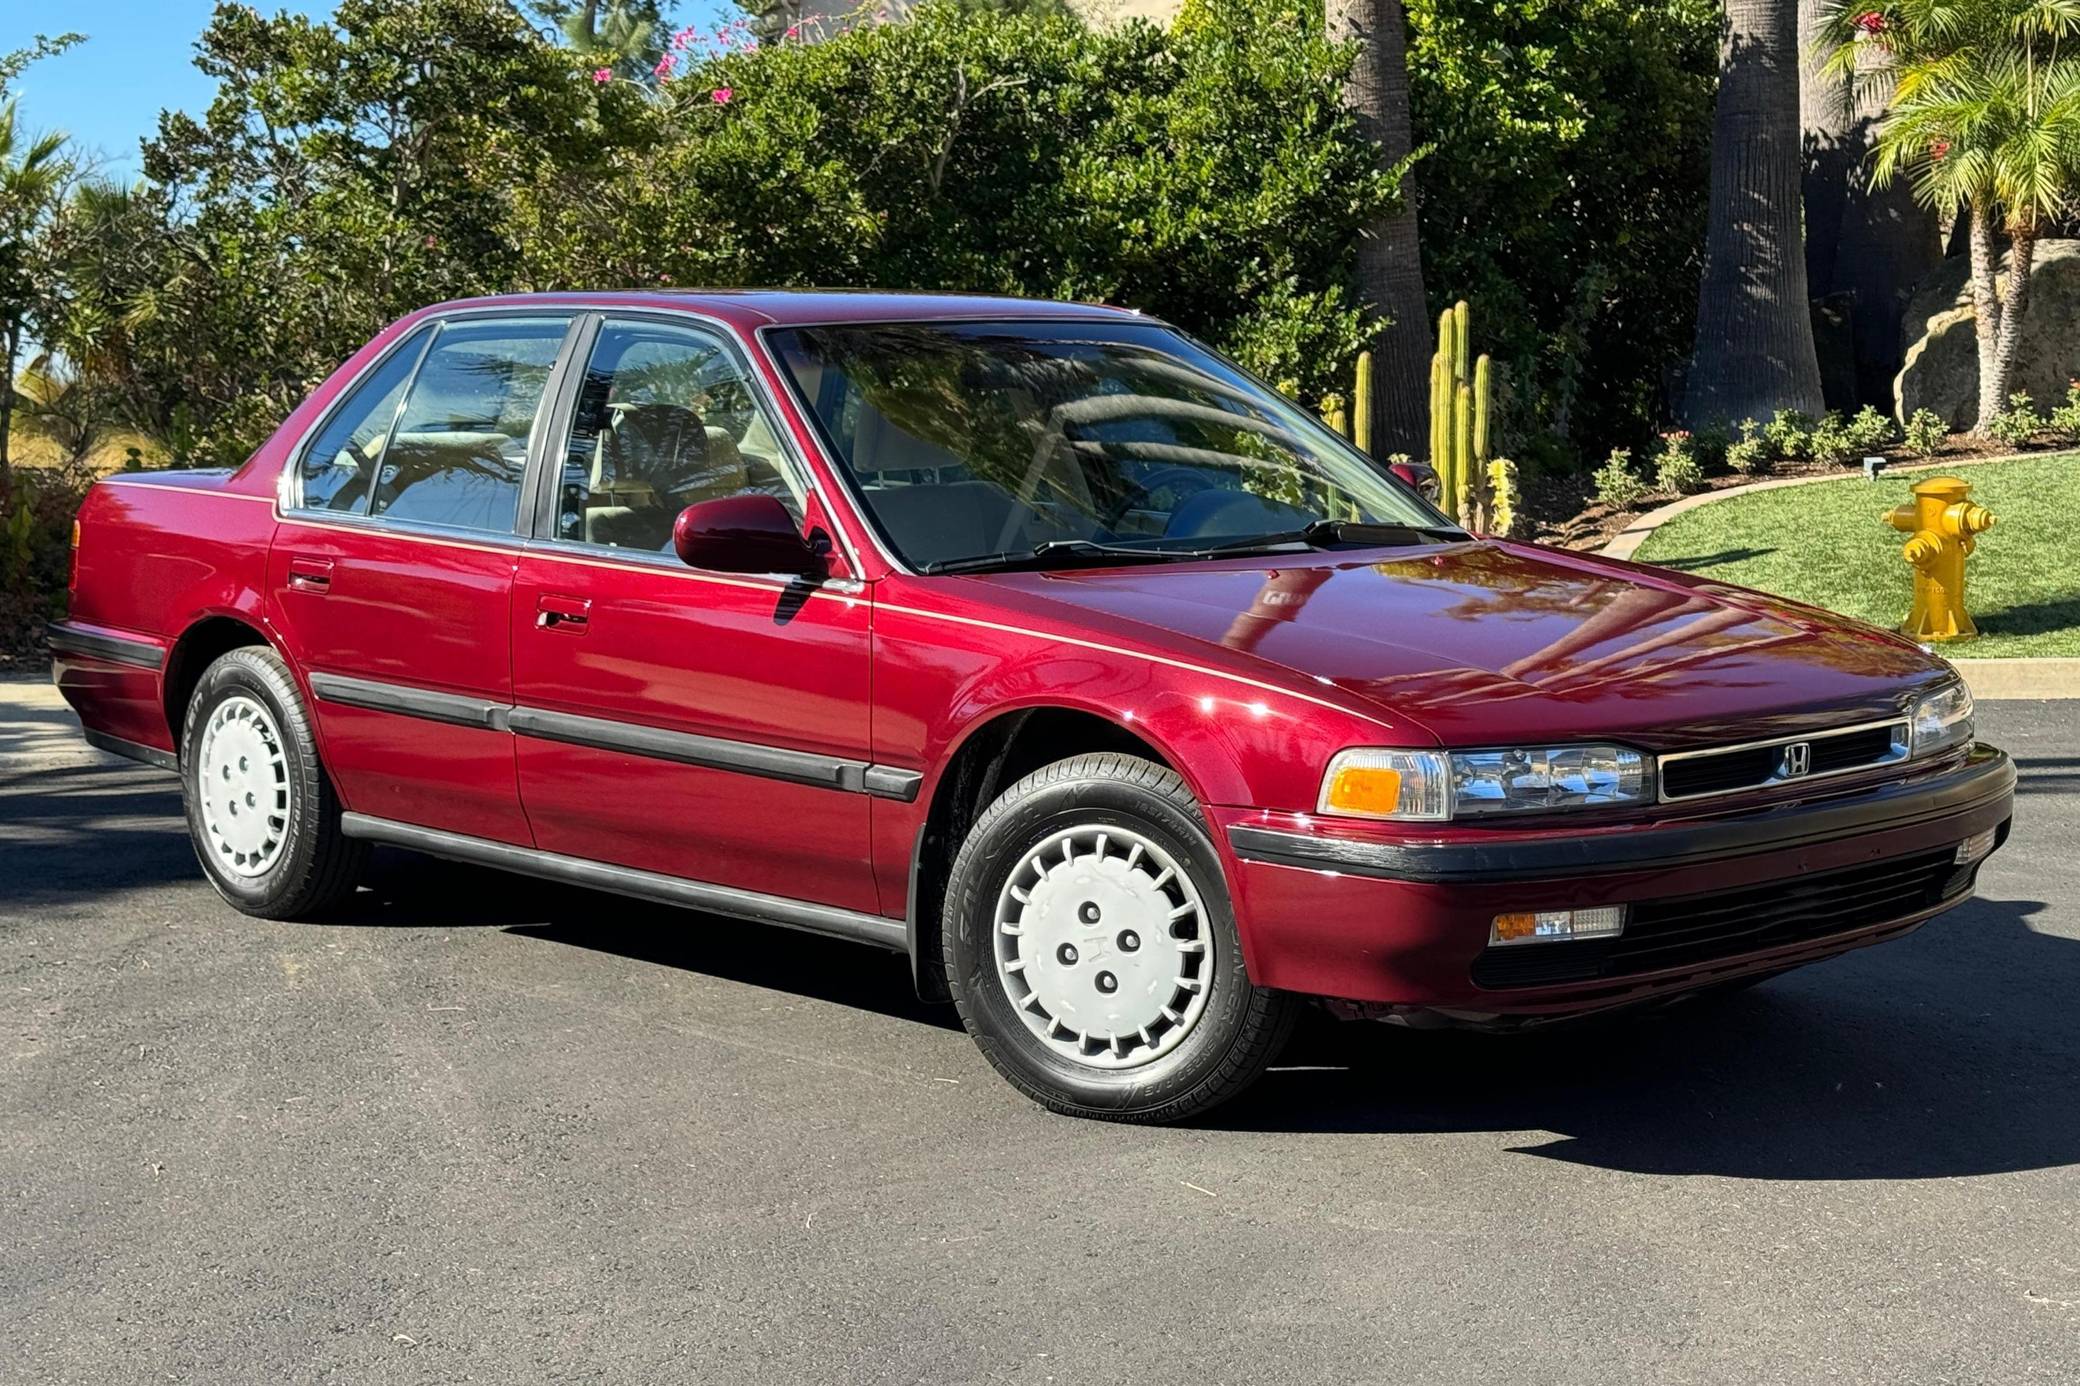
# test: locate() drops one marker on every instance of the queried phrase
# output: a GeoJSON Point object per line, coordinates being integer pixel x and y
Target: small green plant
{"type": "Point", "coordinates": [1871, 431]}
{"type": "Point", "coordinates": [1617, 485]}
{"type": "Point", "coordinates": [1710, 444]}
{"type": "Point", "coordinates": [1789, 435]}
{"type": "Point", "coordinates": [2018, 423]}
{"type": "Point", "coordinates": [1676, 470]}
{"type": "Point", "coordinates": [2065, 420]}
{"type": "Point", "coordinates": [1829, 441]}
{"type": "Point", "coordinates": [1926, 432]}
{"type": "Point", "coordinates": [1749, 453]}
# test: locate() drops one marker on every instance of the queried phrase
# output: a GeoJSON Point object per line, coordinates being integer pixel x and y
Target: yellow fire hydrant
{"type": "Point", "coordinates": [1943, 527]}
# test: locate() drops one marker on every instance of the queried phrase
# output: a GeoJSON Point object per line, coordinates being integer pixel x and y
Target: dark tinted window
{"type": "Point", "coordinates": [666, 417]}
{"type": "Point", "coordinates": [342, 460]}
{"type": "Point", "coordinates": [460, 446]}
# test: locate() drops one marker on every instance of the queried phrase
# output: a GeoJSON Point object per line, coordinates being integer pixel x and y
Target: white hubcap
{"type": "Point", "coordinates": [1103, 945]}
{"type": "Point", "coordinates": [243, 787]}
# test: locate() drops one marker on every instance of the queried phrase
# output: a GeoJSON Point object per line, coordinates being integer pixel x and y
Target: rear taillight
{"type": "Point", "coordinates": [72, 575]}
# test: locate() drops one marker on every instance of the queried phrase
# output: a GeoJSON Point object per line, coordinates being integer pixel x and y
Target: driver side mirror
{"type": "Point", "coordinates": [1419, 477]}
{"type": "Point", "coordinates": [751, 533]}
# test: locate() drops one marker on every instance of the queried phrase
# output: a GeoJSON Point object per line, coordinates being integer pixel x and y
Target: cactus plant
{"type": "Point", "coordinates": [1461, 388]}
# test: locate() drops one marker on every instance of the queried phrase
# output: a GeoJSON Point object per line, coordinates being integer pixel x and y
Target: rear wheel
{"type": "Point", "coordinates": [1092, 951]}
{"type": "Point", "coordinates": [261, 810]}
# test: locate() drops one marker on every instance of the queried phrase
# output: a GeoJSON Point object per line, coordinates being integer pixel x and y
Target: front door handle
{"type": "Point", "coordinates": [310, 575]}
{"type": "Point", "coordinates": [570, 615]}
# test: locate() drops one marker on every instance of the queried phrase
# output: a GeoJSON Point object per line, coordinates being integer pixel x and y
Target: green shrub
{"type": "Point", "coordinates": [2018, 423]}
{"type": "Point", "coordinates": [1926, 432]}
{"type": "Point", "coordinates": [1789, 435]}
{"type": "Point", "coordinates": [2065, 419]}
{"type": "Point", "coordinates": [36, 509]}
{"type": "Point", "coordinates": [1830, 441]}
{"type": "Point", "coordinates": [1871, 431]}
{"type": "Point", "coordinates": [1676, 469]}
{"type": "Point", "coordinates": [1710, 444]}
{"type": "Point", "coordinates": [1749, 453]}
{"type": "Point", "coordinates": [1617, 485]}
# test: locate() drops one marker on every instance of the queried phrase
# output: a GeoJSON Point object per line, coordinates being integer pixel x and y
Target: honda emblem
{"type": "Point", "coordinates": [1798, 759]}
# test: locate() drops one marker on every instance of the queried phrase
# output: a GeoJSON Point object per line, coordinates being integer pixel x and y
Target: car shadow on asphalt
{"type": "Point", "coordinates": [403, 890]}
{"type": "Point", "coordinates": [1950, 1053]}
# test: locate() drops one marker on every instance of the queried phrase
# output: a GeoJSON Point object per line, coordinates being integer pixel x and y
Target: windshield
{"type": "Point", "coordinates": [968, 440]}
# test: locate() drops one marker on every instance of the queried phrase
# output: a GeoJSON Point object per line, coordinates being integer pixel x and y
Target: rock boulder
{"type": "Point", "coordinates": [1940, 337]}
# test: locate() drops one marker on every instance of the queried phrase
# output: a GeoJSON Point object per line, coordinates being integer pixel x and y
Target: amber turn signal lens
{"type": "Point", "coordinates": [1368, 789]}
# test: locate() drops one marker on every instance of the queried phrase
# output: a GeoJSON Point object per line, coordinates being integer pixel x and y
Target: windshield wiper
{"type": "Point", "coordinates": [1320, 534]}
{"type": "Point", "coordinates": [1057, 552]}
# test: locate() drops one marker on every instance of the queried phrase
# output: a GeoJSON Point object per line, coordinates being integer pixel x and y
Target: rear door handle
{"type": "Point", "coordinates": [310, 575]}
{"type": "Point", "coordinates": [570, 615]}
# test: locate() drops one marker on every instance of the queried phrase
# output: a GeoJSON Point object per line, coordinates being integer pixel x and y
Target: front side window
{"type": "Point", "coordinates": [459, 447]}
{"type": "Point", "coordinates": [666, 418]}
{"type": "Point", "coordinates": [341, 463]}
{"type": "Point", "coordinates": [974, 443]}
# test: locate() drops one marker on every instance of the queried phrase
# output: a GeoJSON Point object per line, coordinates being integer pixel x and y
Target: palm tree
{"type": "Point", "coordinates": [1754, 349]}
{"type": "Point", "coordinates": [1983, 119]}
{"type": "Point", "coordinates": [1390, 266]}
{"type": "Point", "coordinates": [32, 174]}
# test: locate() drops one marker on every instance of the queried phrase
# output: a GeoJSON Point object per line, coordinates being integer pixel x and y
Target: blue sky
{"type": "Point", "coordinates": [138, 58]}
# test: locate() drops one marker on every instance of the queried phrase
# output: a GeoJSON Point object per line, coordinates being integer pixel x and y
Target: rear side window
{"type": "Point", "coordinates": [457, 453]}
{"type": "Point", "coordinates": [341, 464]}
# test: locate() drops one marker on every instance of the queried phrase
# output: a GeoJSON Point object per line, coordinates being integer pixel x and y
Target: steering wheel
{"type": "Point", "coordinates": [1190, 480]}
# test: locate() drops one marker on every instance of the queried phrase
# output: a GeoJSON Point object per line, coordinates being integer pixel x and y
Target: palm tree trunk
{"type": "Point", "coordinates": [1754, 350]}
{"type": "Point", "coordinates": [1986, 308]}
{"type": "Point", "coordinates": [1390, 265]}
{"type": "Point", "coordinates": [1871, 244]}
{"type": "Point", "coordinates": [2022, 246]}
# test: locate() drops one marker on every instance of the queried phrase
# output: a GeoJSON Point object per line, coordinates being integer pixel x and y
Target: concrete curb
{"type": "Point", "coordinates": [1990, 679]}
{"type": "Point", "coordinates": [1995, 680]}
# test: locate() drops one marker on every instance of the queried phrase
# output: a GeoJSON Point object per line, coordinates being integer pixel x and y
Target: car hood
{"type": "Point", "coordinates": [1487, 641]}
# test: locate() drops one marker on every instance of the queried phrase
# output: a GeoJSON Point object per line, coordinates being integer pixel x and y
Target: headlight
{"type": "Point", "coordinates": [1436, 785]}
{"type": "Point", "coordinates": [1943, 719]}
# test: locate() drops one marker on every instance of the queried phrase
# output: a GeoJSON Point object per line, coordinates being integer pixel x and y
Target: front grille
{"type": "Point", "coordinates": [1694, 774]}
{"type": "Point", "coordinates": [1694, 929]}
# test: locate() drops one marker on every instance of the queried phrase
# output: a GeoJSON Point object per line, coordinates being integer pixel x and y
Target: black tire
{"type": "Point", "coordinates": [1235, 1036]}
{"type": "Point", "coordinates": [316, 866]}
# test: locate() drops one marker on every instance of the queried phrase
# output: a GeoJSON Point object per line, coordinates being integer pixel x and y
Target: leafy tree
{"type": "Point", "coordinates": [1564, 199]}
{"type": "Point", "coordinates": [1209, 174]}
{"type": "Point", "coordinates": [345, 173]}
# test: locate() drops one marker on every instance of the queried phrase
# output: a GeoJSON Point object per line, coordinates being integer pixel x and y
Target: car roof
{"type": "Point", "coordinates": [750, 309]}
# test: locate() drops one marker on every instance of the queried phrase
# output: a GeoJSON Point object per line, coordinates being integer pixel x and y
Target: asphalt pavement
{"type": "Point", "coordinates": [489, 1130]}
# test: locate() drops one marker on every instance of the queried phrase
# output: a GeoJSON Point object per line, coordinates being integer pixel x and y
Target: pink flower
{"type": "Point", "coordinates": [1870, 22]}
{"type": "Point", "coordinates": [684, 39]}
{"type": "Point", "coordinates": [722, 96]}
{"type": "Point", "coordinates": [432, 241]}
{"type": "Point", "coordinates": [602, 75]}
{"type": "Point", "coordinates": [793, 31]}
{"type": "Point", "coordinates": [1937, 150]}
{"type": "Point", "coordinates": [664, 67]}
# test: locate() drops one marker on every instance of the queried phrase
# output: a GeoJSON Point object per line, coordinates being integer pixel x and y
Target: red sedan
{"type": "Point", "coordinates": [1033, 640]}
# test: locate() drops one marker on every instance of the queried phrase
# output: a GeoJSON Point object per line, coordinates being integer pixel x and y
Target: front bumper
{"type": "Point", "coordinates": [1400, 920]}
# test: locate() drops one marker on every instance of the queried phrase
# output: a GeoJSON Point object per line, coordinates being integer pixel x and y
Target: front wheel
{"type": "Point", "coordinates": [261, 811]}
{"type": "Point", "coordinates": [1092, 951]}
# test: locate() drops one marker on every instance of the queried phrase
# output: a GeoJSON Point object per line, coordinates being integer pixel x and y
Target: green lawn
{"type": "Point", "coordinates": [1826, 544]}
